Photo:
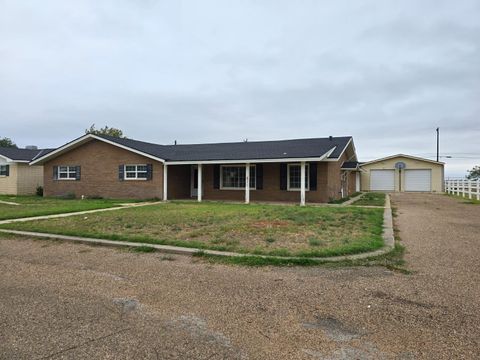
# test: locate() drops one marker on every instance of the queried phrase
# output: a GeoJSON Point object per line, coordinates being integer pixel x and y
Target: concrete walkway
{"type": "Point", "coordinates": [53, 216]}
{"type": "Point", "coordinates": [388, 238]}
{"type": "Point", "coordinates": [8, 202]}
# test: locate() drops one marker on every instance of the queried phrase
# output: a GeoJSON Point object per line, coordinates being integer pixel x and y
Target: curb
{"type": "Point", "coordinates": [388, 238]}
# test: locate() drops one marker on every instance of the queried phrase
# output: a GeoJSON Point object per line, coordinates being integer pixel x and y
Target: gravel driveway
{"type": "Point", "coordinates": [61, 300]}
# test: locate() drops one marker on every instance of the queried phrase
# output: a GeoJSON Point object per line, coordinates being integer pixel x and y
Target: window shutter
{"type": "Point", "coordinates": [259, 174]}
{"type": "Point", "coordinates": [77, 172]}
{"type": "Point", "coordinates": [7, 170]}
{"type": "Point", "coordinates": [121, 169]}
{"type": "Point", "coordinates": [149, 171]}
{"type": "Point", "coordinates": [283, 176]}
{"type": "Point", "coordinates": [216, 176]}
{"type": "Point", "coordinates": [55, 173]}
{"type": "Point", "coordinates": [313, 175]}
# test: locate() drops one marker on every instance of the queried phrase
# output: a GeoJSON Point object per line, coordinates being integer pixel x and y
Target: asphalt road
{"type": "Point", "coordinates": [61, 300]}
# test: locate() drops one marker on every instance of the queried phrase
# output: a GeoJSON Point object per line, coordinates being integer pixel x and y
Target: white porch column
{"type": "Point", "coordinates": [165, 182]}
{"type": "Point", "coordinates": [247, 183]}
{"type": "Point", "coordinates": [302, 183]}
{"type": "Point", "coordinates": [199, 182]}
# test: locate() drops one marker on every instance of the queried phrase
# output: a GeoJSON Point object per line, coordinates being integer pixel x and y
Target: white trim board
{"type": "Point", "coordinates": [402, 155]}
{"type": "Point", "coordinates": [255, 161]}
{"type": "Point", "coordinates": [85, 139]}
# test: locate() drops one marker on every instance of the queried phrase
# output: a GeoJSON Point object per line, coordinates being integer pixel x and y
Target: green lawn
{"type": "Point", "coordinates": [256, 229]}
{"type": "Point", "coordinates": [37, 205]}
{"type": "Point", "coordinates": [371, 199]}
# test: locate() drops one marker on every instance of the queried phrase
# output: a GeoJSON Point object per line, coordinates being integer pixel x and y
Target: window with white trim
{"type": "Point", "coordinates": [233, 177]}
{"type": "Point", "coordinates": [294, 177]}
{"type": "Point", "coordinates": [136, 172]}
{"type": "Point", "coordinates": [3, 170]}
{"type": "Point", "coordinates": [67, 172]}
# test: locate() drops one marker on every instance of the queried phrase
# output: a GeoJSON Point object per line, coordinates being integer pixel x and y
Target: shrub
{"type": "Point", "coordinates": [39, 191]}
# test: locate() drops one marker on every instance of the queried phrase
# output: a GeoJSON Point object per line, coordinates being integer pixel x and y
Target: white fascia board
{"type": "Point", "coordinates": [128, 148]}
{"type": "Point", "coordinates": [257, 161]}
{"type": "Point", "coordinates": [7, 159]}
{"type": "Point", "coordinates": [402, 155]}
{"type": "Point", "coordinates": [86, 138]}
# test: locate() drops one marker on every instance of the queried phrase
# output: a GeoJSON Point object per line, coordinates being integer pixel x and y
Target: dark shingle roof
{"type": "Point", "coordinates": [22, 154]}
{"type": "Point", "coordinates": [350, 165]}
{"type": "Point", "coordinates": [299, 148]}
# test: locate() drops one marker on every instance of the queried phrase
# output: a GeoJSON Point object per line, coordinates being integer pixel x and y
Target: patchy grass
{"type": "Point", "coordinates": [36, 206]}
{"type": "Point", "coordinates": [392, 261]}
{"type": "Point", "coordinates": [255, 229]}
{"type": "Point", "coordinates": [465, 199]}
{"type": "Point", "coordinates": [371, 199]}
{"type": "Point", "coordinates": [344, 199]}
{"type": "Point", "coordinates": [144, 249]}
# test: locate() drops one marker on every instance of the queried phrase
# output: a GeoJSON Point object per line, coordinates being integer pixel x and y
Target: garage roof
{"type": "Point", "coordinates": [402, 155]}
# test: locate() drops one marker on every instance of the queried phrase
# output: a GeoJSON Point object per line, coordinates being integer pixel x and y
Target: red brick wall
{"type": "Point", "coordinates": [178, 179]}
{"type": "Point", "coordinates": [99, 163]}
{"type": "Point", "coordinates": [352, 182]}
{"type": "Point", "coordinates": [327, 185]}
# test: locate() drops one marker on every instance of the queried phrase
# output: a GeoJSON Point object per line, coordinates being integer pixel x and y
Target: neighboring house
{"type": "Point", "coordinates": [111, 167]}
{"type": "Point", "coordinates": [17, 177]}
{"type": "Point", "coordinates": [402, 173]}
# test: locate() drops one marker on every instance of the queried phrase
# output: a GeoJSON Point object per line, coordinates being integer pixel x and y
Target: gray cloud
{"type": "Point", "coordinates": [388, 74]}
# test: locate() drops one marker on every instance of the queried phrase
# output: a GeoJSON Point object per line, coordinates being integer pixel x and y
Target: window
{"type": "Point", "coordinates": [233, 177]}
{"type": "Point", "coordinates": [3, 170]}
{"type": "Point", "coordinates": [136, 172]}
{"type": "Point", "coordinates": [67, 173]}
{"type": "Point", "coordinates": [294, 176]}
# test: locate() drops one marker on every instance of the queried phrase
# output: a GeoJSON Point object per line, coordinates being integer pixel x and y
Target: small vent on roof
{"type": "Point", "coordinates": [175, 142]}
{"type": "Point", "coordinates": [31, 147]}
{"type": "Point", "coordinates": [330, 138]}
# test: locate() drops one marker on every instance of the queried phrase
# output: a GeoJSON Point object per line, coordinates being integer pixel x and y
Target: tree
{"type": "Point", "coordinates": [7, 142]}
{"type": "Point", "coordinates": [110, 131]}
{"type": "Point", "coordinates": [474, 174]}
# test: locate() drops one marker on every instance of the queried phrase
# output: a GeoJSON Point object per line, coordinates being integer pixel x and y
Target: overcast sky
{"type": "Point", "coordinates": [386, 72]}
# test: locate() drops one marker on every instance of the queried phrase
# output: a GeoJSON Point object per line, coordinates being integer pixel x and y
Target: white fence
{"type": "Point", "coordinates": [465, 188]}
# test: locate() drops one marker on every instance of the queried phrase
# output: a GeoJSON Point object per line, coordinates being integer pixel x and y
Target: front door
{"type": "Point", "coordinates": [194, 181]}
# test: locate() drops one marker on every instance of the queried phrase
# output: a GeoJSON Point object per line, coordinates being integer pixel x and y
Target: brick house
{"type": "Point", "coordinates": [301, 170]}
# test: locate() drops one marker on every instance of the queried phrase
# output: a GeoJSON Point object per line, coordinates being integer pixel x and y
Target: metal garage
{"type": "Point", "coordinates": [382, 180]}
{"type": "Point", "coordinates": [402, 173]}
{"type": "Point", "coordinates": [418, 180]}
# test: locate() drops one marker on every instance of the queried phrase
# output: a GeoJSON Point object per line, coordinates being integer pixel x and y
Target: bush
{"type": "Point", "coordinates": [39, 191]}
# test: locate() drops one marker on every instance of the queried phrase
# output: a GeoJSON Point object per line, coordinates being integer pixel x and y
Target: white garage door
{"type": "Point", "coordinates": [418, 180]}
{"type": "Point", "coordinates": [382, 180]}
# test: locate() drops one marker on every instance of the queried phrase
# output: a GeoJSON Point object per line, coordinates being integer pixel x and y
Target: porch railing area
{"type": "Point", "coordinates": [463, 187]}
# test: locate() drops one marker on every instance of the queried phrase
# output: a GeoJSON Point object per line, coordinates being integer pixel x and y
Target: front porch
{"type": "Point", "coordinates": [298, 182]}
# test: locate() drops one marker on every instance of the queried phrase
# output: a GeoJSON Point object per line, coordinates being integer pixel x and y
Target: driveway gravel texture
{"type": "Point", "coordinates": [64, 301]}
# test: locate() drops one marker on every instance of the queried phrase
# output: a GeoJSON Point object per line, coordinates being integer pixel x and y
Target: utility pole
{"type": "Point", "coordinates": [438, 143]}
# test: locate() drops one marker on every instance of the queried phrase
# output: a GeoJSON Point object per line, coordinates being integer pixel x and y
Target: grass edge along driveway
{"type": "Point", "coordinates": [274, 230]}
